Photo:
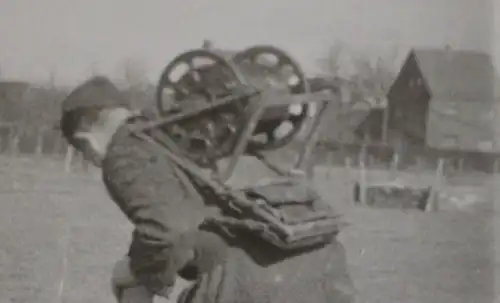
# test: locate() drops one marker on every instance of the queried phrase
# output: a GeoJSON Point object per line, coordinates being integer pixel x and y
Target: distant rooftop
{"type": "Point", "coordinates": [464, 74]}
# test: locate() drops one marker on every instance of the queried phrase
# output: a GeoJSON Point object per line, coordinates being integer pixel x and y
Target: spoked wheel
{"type": "Point", "coordinates": [268, 67]}
{"type": "Point", "coordinates": [195, 75]}
{"type": "Point", "coordinates": [194, 78]}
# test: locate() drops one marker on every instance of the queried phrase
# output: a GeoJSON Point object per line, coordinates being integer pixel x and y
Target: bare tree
{"type": "Point", "coordinates": [330, 64]}
{"type": "Point", "coordinates": [133, 74]}
{"type": "Point", "coordinates": [385, 69]}
{"type": "Point", "coordinates": [370, 81]}
{"type": "Point", "coordinates": [41, 112]}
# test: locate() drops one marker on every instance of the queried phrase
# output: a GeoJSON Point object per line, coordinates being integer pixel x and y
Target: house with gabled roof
{"type": "Point", "coordinates": [445, 99]}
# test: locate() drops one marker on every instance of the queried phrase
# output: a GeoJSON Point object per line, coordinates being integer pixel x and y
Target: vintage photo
{"type": "Point", "coordinates": [233, 151]}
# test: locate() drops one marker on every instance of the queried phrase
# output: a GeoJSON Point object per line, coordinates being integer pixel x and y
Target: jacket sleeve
{"type": "Point", "coordinates": [145, 186]}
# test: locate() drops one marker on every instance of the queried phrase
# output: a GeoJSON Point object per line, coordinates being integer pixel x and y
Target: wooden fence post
{"type": "Point", "coordinates": [39, 143]}
{"type": "Point", "coordinates": [83, 163]}
{"type": "Point", "coordinates": [68, 158]}
{"type": "Point", "coordinates": [460, 165]}
{"type": "Point", "coordinates": [329, 164]}
{"type": "Point", "coordinates": [420, 163]}
{"type": "Point", "coordinates": [362, 183]}
{"type": "Point", "coordinates": [348, 171]}
{"type": "Point", "coordinates": [432, 201]}
{"type": "Point", "coordinates": [371, 161]}
{"type": "Point", "coordinates": [362, 155]}
{"type": "Point", "coordinates": [395, 162]}
{"type": "Point", "coordinates": [348, 162]}
{"type": "Point", "coordinates": [14, 144]}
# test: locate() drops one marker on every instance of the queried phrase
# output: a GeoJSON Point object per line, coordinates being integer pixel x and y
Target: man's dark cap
{"type": "Point", "coordinates": [96, 93]}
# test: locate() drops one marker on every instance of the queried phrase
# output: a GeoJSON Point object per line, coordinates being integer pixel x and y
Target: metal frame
{"type": "Point", "coordinates": [274, 98]}
{"type": "Point", "coordinates": [286, 233]}
{"type": "Point", "coordinates": [258, 102]}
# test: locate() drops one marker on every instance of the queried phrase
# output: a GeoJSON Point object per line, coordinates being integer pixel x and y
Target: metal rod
{"type": "Point", "coordinates": [277, 169]}
{"type": "Point", "coordinates": [276, 98]}
{"type": "Point", "coordinates": [256, 110]}
{"type": "Point", "coordinates": [189, 113]}
{"type": "Point", "coordinates": [313, 136]}
{"type": "Point", "coordinates": [272, 99]}
{"type": "Point", "coordinates": [268, 99]}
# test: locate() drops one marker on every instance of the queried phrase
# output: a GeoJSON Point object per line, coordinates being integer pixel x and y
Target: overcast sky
{"type": "Point", "coordinates": [74, 37]}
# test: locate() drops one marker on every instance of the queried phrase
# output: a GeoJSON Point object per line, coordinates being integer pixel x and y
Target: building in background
{"type": "Point", "coordinates": [442, 103]}
{"type": "Point", "coordinates": [444, 99]}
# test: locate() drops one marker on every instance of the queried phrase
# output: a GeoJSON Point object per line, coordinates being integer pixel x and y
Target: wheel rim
{"type": "Point", "coordinates": [213, 134]}
{"type": "Point", "coordinates": [285, 74]}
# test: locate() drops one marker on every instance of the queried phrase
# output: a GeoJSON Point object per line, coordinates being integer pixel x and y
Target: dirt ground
{"type": "Point", "coordinates": [60, 236]}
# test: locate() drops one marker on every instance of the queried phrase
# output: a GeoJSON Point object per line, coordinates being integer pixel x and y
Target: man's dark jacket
{"type": "Point", "coordinates": [147, 188]}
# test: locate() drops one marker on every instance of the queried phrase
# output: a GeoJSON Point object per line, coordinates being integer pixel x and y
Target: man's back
{"type": "Point", "coordinates": [140, 179]}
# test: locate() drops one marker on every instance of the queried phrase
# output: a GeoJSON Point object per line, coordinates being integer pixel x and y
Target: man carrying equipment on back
{"type": "Point", "coordinates": [168, 243]}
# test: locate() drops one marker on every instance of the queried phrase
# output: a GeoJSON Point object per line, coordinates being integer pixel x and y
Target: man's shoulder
{"type": "Point", "coordinates": [122, 140]}
{"type": "Point", "coordinates": [124, 149]}
{"type": "Point", "coordinates": [129, 152]}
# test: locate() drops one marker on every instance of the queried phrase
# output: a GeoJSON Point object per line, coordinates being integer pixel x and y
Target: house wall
{"type": "Point", "coordinates": [460, 124]}
{"type": "Point", "coordinates": [408, 101]}
{"type": "Point", "coordinates": [371, 126]}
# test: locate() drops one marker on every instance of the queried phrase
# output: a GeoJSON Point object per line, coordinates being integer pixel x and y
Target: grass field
{"type": "Point", "coordinates": [60, 236]}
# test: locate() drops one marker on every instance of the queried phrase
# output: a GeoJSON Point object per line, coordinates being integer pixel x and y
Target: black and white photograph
{"type": "Point", "coordinates": [249, 151]}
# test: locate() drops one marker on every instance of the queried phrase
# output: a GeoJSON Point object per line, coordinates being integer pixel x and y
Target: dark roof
{"type": "Point", "coordinates": [451, 74]}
